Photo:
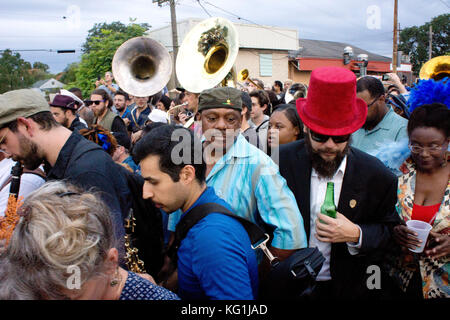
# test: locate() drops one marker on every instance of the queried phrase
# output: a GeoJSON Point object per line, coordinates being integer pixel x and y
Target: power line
{"type": "Point", "coordinates": [198, 1]}
{"type": "Point", "coordinates": [378, 35]}
{"type": "Point", "coordinates": [252, 22]}
{"type": "Point", "coordinates": [445, 3]}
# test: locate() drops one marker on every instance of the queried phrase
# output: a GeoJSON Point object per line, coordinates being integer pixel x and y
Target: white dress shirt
{"type": "Point", "coordinates": [317, 196]}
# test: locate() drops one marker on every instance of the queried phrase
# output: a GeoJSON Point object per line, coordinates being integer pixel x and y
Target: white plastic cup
{"type": "Point", "coordinates": [422, 229]}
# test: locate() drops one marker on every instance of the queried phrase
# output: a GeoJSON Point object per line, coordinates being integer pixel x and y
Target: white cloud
{"type": "Point", "coordinates": [26, 24]}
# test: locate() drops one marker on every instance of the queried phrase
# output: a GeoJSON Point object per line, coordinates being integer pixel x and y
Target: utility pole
{"type": "Point", "coordinates": [394, 52]}
{"type": "Point", "coordinates": [430, 42]}
{"type": "Point", "coordinates": [173, 18]}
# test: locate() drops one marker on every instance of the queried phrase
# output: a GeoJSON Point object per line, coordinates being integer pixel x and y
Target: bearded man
{"type": "Point", "coordinates": [30, 134]}
{"type": "Point", "coordinates": [365, 190]}
{"type": "Point", "coordinates": [100, 104]}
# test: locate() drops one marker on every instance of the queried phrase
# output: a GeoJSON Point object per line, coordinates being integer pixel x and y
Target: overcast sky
{"type": "Point", "coordinates": [31, 25]}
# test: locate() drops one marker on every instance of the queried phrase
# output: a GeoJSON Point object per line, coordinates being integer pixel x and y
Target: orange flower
{"type": "Point", "coordinates": [9, 221]}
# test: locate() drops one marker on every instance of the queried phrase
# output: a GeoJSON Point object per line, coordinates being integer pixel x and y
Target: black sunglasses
{"type": "Point", "coordinates": [322, 138]}
{"type": "Point", "coordinates": [89, 102]}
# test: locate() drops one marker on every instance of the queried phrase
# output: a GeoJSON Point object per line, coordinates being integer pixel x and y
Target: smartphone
{"type": "Point", "coordinates": [98, 78]}
{"type": "Point", "coordinates": [385, 77]}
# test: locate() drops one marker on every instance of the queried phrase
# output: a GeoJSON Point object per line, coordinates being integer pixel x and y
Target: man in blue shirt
{"type": "Point", "coordinates": [122, 153]}
{"type": "Point", "coordinates": [215, 259]}
{"type": "Point", "coordinates": [244, 176]}
{"type": "Point", "coordinates": [382, 124]}
{"type": "Point", "coordinates": [120, 102]}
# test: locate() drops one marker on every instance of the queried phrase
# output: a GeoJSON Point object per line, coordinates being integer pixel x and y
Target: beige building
{"type": "Point", "coordinates": [263, 50]}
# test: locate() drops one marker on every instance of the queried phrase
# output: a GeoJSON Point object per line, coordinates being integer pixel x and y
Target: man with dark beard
{"type": "Point", "coordinates": [365, 190]}
{"type": "Point", "coordinates": [30, 134]}
{"type": "Point", "coordinates": [100, 104]}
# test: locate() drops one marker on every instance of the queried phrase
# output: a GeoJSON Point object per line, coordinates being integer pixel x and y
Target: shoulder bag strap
{"type": "Point", "coordinates": [256, 235]}
{"type": "Point", "coordinates": [259, 127]}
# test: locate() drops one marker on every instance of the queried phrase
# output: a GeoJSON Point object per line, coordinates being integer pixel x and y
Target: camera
{"type": "Point", "coordinates": [385, 77]}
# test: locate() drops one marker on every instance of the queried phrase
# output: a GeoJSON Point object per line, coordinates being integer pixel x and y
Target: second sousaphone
{"type": "Point", "coordinates": [207, 54]}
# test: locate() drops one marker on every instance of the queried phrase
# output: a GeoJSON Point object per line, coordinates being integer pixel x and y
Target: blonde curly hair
{"type": "Point", "coordinates": [62, 226]}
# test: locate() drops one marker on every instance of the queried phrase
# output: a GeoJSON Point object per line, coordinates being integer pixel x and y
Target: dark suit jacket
{"type": "Point", "coordinates": [374, 188]}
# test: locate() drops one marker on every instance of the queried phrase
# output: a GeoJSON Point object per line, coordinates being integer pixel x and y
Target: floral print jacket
{"type": "Point", "coordinates": [434, 272]}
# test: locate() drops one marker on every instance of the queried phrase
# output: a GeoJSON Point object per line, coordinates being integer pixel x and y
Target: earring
{"type": "Point", "coordinates": [446, 158]}
{"type": "Point", "coordinates": [117, 279]}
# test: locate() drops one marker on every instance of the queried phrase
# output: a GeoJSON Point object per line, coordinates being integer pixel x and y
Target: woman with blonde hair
{"type": "Point", "coordinates": [64, 247]}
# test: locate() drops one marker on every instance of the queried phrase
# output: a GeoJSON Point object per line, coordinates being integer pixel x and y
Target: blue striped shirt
{"type": "Point", "coordinates": [248, 179]}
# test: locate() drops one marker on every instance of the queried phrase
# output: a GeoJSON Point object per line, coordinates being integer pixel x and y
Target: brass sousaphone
{"type": "Point", "coordinates": [436, 68]}
{"type": "Point", "coordinates": [142, 66]}
{"type": "Point", "coordinates": [207, 55]}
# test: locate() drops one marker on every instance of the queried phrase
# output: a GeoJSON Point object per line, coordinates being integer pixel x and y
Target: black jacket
{"type": "Point", "coordinates": [77, 125]}
{"type": "Point", "coordinates": [374, 188]}
{"type": "Point", "coordinates": [84, 163]}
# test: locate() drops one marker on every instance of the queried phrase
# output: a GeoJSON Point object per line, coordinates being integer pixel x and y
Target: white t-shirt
{"type": "Point", "coordinates": [28, 183]}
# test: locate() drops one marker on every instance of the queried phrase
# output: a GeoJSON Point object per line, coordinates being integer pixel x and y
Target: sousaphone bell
{"type": "Point", "coordinates": [142, 66]}
{"type": "Point", "coordinates": [207, 55]}
{"type": "Point", "coordinates": [436, 68]}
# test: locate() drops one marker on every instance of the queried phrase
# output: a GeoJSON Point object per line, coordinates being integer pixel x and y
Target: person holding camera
{"type": "Point", "coordinates": [107, 84]}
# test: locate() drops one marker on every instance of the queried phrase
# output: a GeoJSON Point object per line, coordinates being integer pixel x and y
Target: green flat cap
{"type": "Point", "coordinates": [223, 97]}
{"type": "Point", "coordinates": [21, 103]}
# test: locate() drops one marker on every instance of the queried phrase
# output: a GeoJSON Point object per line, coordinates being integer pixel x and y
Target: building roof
{"type": "Point", "coordinates": [250, 36]}
{"type": "Point", "coordinates": [48, 84]}
{"type": "Point", "coordinates": [333, 50]}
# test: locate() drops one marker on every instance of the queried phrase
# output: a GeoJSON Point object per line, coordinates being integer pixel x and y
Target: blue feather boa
{"type": "Point", "coordinates": [430, 91]}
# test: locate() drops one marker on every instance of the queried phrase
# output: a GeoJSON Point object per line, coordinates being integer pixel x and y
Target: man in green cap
{"type": "Point", "coordinates": [243, 175]}
{"type": "Point", "coordinates": [30, 134]}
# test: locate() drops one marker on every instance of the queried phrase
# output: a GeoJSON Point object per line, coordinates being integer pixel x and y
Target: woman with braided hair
{"type": "Point", "coordinates": [99, 135]}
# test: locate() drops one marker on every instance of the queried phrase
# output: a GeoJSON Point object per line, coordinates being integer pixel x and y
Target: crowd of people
{"type": "Point", "coordinates": [110, 180]}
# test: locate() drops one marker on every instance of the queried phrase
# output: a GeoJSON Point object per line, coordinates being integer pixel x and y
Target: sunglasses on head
{"type": "Point", "coordinates": [96, 102]}
{"type": "Point", "coordinates": [322, 138]}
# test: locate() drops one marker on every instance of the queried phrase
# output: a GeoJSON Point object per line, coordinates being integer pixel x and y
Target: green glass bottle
{"type": "Point", "coordinates": [328, 207]}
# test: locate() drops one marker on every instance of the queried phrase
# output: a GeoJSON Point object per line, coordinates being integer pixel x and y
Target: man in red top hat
{"type": "Point", "coordinates": [365, 190]}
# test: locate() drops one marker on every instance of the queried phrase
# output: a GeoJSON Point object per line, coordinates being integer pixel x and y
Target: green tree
{"type": "Point", "coordinates": [69, 74]}
{"type": "Point", "coordinates": [41, 66]}
{"type": "Point", "coordinates": [16, 73]}
{"type": "Point", "coordinates": [414, 41]}
{"type": "Point", "coordinates": [98, 51]}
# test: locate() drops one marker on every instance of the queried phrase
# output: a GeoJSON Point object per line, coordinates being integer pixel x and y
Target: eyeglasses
{"type": "Point", "coordinates": [322, 138]}
{"type": "Point", "coordinates": [375, 100]}
{"type": "Point", "coordinates": [96, 102]}
{"type": "Point", "coordinates": [418, 149]}
{"type": "Point", "coordinates": [4, 136]}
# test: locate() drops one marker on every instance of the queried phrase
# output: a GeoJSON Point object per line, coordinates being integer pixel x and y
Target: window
{"type": "Point", "coordinates": [265, 64]}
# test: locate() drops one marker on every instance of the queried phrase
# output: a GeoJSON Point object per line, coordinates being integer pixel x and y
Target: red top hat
{"type": "Point", "coordinates": [331, 106]}
{"type": "Point", "coordinates": [63, 101]}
